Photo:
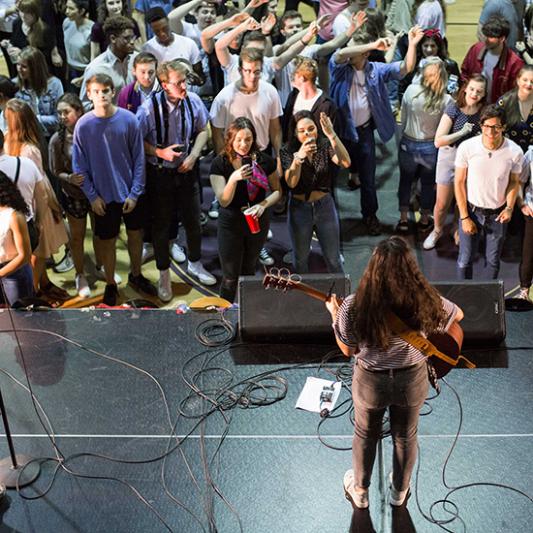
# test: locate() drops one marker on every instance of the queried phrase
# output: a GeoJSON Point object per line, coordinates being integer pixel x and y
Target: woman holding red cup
{"type": "Point", "coordinates": [245, 183]}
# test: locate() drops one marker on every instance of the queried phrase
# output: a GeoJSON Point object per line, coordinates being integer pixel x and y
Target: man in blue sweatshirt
{"type": "Point", "coordinates": [108, 151]}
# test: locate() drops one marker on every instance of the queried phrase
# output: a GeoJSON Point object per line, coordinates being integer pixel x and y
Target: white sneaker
{"type": "Point", "coordinates": [265, 258]}
{"type": "Point", "coordinates": [100, 274]}
{"type": "Point", "coordinates": [269, 235]}
{"type": "Point", "coordinates": [524, 294]}
{"type": "Point", "coordinates": [397, 497]}
{"type": "Point", "coordinates": [196, 269]}
{"type": "Point", "coordinates": [177, 253]}
{"type": "Point", "coordinates": [148, 252]}
{"type": "Point", "coordinates": [213, 209]}
{"type": "Point", "coordinates": [357, 498]}
{"type": "Point", "coordinates": [164, 288]}
{"type": "Point", "coordinates": [82, 287]}
{"type": "Point", "coordinates": [431, 240]}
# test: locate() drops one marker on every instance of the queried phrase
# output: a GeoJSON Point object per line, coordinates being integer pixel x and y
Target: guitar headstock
{"type": "Point", "coordinates": [281, 278]}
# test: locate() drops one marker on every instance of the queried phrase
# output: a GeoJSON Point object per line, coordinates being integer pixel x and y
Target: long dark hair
{"type": "Point", "coordinates": [10, 195]}
{"type": "Point", "coordinates": [73, 100]}
{"type": "Point", "coordinates": [293, 144]}
{"type": "Point", "coordinates": [240, 123]}
{"type": "Point", "coordinates": [393, 282]}
{"type": "Point", "coordinates": [37, 68]}
{"type": "Point", "coordinates": [509, 101]}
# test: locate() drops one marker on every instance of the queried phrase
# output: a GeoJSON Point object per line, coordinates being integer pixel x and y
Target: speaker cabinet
{"type": "Point", "coordinates": [483, 304]}
{"type": "Point", "coordinates": [274, 315]}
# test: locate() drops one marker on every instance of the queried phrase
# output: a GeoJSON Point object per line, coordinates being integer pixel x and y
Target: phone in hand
{"type": "Point", "coordinates": [179, 148]}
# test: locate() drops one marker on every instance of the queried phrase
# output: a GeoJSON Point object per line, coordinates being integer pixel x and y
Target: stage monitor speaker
{"type": "Point", "coordinates": [269, 315]}
{"type": "Point", "coordinates": [483, 304]}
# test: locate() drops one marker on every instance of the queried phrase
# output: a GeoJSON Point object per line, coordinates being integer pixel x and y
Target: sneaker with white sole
{"type": "Point", "coordinates": [164, 287]}
{"type": "Point", "coordinates": [197, 270]}
{"type": "Point", "coordinates": [148, 252]}
{"type": "Point", "coordinates": [177, 253]}
{"type": "Point", "coordinates": [265, 258]}
{"type": "Point", "coordinates": [397, 497]}
{"type": "Point", "coordinates": [431, 240]}
{"type": "Point", "coordinates": [100, 274]}
{"type": "Point", "coordinates": [65, 264]}
{"type": "Point", "coordinates": [524, 294]}
{"type": "Point", "coordinates": [357, 497]}
{"type": "Point", "coordinates": [82, 287]}
{"type": "Point", "coordinates": [213, 209]}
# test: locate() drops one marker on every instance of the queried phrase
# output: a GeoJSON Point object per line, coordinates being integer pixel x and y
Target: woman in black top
{"type": "Point", "coordinates": [243, 179]}
{"type": "Point", "coordinates": [309, 160]}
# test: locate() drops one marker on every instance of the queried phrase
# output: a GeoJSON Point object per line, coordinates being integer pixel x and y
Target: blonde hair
{"type": "Point", "coordinates": [434, 83]}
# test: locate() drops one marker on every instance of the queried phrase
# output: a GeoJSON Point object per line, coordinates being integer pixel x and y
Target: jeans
{"type": "Point", "coordinates": [169, 192]}
{"type": "Point", "coordinates": [321, 215]}
{"type": "Point", "coordinates": [238, 248]}
{"type": "Point", "coordinates": [526, 263]}
{"type": "Point", "coordinates": [363, 156]}
{"type": "Point", "coordinates": [403, 392]}
{"type": "Point", "coordinates": [417, 160]}
{"type": "Point", "coordinates": [494, 233]}
{"type": "Point", "coordinates": [16, 285]}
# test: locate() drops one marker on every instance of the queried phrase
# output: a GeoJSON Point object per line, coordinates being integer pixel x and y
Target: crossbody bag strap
{"type": "Point", "coordinates": [17, 171]}
{"type": "Point", "coordinates": [160, 142]}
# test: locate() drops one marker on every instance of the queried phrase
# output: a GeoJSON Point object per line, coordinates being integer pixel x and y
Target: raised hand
{"type": "Point", "coordinates": [327, 126]}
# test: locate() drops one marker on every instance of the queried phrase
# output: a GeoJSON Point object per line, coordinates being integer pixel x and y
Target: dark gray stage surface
{"type": "Point", "coordinates": [271, 473]}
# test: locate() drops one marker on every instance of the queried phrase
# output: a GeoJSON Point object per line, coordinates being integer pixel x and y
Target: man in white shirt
{"type": "Point", "coordinates": [487, 179]}
{"type": "Point", "coordinates": [117, 60]}
{"type": "Point", "coordinates": [167, 45]}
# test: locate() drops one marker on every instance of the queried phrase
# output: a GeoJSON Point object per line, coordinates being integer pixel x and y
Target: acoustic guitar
{"type": "Point", "coordinates": [442, 349]}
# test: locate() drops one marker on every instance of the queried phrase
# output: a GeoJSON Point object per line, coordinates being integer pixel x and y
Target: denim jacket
{"type": "Point", "coordinates": [376, 77]}
{"type": "Point", "coordinates": [44, 106]}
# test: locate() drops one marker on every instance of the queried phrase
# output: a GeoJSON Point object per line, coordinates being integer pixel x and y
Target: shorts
{"type": "Point", "coordinates": [108, 226]}
{"type": "Point", "coordinates": [76, 207]}
{"type": "Point", "coordinates": [445, 171]}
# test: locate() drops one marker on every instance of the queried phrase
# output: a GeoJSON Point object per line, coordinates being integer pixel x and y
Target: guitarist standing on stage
{"type": "Point", "coordinates": [389, 372]}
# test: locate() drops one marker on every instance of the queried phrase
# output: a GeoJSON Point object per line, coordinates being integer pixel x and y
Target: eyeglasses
{"type": "Point", "coordinates": [493, 128]}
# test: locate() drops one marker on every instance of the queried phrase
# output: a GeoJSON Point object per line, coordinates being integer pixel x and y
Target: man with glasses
{"type": "Point", "coordinates": [117, 60]}
{"type": "Point", "coordinates": [174, 128]}
{"type": "Point", "coordinates": [487, 170]}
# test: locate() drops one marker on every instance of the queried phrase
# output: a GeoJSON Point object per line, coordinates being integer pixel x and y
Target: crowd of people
{"type": "Point", "coordinates": [110, 107]}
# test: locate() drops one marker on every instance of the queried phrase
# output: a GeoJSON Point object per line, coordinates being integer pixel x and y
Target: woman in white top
{"type": "Point", "coordinates": [16, 278]}
{"type": "Point", "coordinates": [422, 108]}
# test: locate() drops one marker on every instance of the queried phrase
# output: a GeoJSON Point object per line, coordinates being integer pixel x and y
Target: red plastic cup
{"type": "Point", "coordinates": [252, 220]}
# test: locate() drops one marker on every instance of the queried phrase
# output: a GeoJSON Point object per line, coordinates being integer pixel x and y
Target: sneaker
{"type": "Point", "coordinates": [177, 253]}
{"type": "Point", "coordinates": [431, 240]}
{"type": "Point", "coordinates": [358, 498]}
{"type": "Point", "coordinates": [265, 258]}
{"type": "Point", "coordinates": [213, 210]}
{"type": "Point", "coordinates": [148, 252]}
{"type": "Point", "coordinates": [203, 219]}
{"type": "Point", "coordinates": [82, 287]}
{"type": "Point", "coordinates": [270, 235]}
{"type": "Point", "coordinates": [372, 224]}
{"type": "Point", "coordinates": [524, 294]}
{"type": "Point", "coordinates": [402, 227]}
{"type": "Point", "coordinates": [397, 497]}
{"type": "Point", "coordinates": [164, 287]}
{"type": "Point", "coordinates": [65, 264]}
{"type": "Point", "coordinates": [141, 284]}
{"type": "Point", "coordinates": [110, 295]}
{"type": "Point", "coordinates": [287, 258]}
{"type": "Point", "coordinates": [196, 269]}
{"type": "Point", "coordinates": [100, 274]}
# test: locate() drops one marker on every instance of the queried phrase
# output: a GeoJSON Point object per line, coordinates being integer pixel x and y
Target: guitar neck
{"type": "Point", "coordinates": [310, 291]}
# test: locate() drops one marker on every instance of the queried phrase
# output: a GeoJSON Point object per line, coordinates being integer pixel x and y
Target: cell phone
{"type": "Point", "coordinates": [247, 160]}
{"type": "Point", "coordinates": [178, 148]}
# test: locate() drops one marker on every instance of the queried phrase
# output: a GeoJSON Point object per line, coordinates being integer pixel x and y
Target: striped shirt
{"type": "Point", "coordinates": [399, 354]}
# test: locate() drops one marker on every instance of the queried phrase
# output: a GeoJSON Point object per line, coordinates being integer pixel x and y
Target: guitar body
{"type": "Point", "coordinates": [448, 343]}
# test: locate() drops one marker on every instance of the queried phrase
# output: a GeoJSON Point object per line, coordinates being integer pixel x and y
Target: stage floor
{"type": "Point", "coordinates": [271, 472]}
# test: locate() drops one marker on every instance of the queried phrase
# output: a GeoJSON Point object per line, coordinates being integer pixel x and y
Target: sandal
{"type": "Point", "coordinates": [55, 292]}
{"type": "Point", "coordinates": [402, 226]}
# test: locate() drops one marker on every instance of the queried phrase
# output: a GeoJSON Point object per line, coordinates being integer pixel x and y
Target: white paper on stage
{"type": "Point", "coordinates": [309, 398]}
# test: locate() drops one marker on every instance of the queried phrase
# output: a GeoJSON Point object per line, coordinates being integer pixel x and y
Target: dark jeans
{"type": "Point", "coordinates": [363, 156]}
{"type": "Point", "coordinates": [169, 192]}
{"type": "Point", "coordinates": [238, 248]}
{"type": "Point", "coordinates": [403, 393]}
{"type": "Point", "coordinates": [321, 215]}
{"type": "Point", "coordinates": [417, 160]}
{"type": "Point", "coordinates": [17, 285]}
{"type": "Point", "coordinates": [494, 233]}
{"type": "Point", "coordinates": [526, 264]}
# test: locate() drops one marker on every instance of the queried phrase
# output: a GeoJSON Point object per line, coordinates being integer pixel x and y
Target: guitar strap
{"type": "Point", "coordinates": [413, 338]}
